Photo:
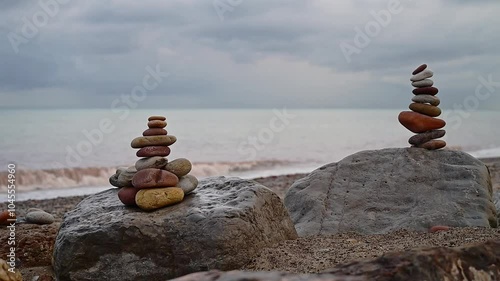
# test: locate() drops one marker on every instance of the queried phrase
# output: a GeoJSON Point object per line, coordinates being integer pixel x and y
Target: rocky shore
{"type": "Point", "coordinates": [304, 255]}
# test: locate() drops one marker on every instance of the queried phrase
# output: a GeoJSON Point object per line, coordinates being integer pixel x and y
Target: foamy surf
{"type": "Point", "coordinates": [31, 180]}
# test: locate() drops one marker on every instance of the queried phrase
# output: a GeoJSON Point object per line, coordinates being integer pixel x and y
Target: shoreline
{"type": "Point", "coordinates": [493, 164]}
{"type": "Point", "coordinates": [311, 254]}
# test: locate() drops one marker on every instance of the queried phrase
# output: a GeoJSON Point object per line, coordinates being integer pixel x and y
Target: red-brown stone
{"type": "Point", "coordinates": [419, 123]}
{"type": "Point", "coordinates": [157, 124]}
{"type": "Point", "coordinates": [157, 117]}
{"type": "Point", "coordinates": [149, 178]}
{"type": "Point", "coordinates": [438, 228]}
{"type": "Point", "coordinates": [426, 91]}
{"type": "Point", "coordinates": [433, 144]}
{"type": "Point", "coordinates": [419, 69]}
{"type": "Point", "coordinates": [156, 150]}
{"type": "Point", "coordinates": [5, 217]}
{"type": "Point", "coordinates": [127, 195]}
{"type": "Point", "coordinates": [155, 132]}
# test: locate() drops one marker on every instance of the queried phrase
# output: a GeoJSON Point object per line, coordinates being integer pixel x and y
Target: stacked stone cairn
{"type": "Point", "coordinates": [421, 120]}
{"type": "Point", "coordinates": [154, 182]}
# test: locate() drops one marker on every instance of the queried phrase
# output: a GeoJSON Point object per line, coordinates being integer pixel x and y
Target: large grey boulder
{"type": "Point", "coordinates": [473, 262]}
{"type": "Point", "coordinates": [496, 201]}
{"type": "Point", "coordinates": [379, 191]}
{"type": "Point", "coordinates": [220, 226]}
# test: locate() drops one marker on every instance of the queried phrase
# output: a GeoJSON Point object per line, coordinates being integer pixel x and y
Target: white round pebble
{"type": "Point", "coordinates": [432, 100]}
{"type": "Point", "coordinates": [39, 217]}
{"type": "Point", "coordinates": [423, 83]}
{"type": "Point", "coordinates": [427, 73]}
{"type": "Point", "coordinates": [188, 183]}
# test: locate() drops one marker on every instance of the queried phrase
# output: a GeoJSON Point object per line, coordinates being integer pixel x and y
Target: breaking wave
{"type": "Point", "coordinates": [98, 176]}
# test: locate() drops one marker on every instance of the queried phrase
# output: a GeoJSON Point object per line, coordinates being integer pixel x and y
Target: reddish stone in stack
{"type": "Point", "coordinates": [421, 120]}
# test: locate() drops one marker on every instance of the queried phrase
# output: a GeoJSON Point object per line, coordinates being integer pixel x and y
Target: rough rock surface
{"type": "Point", "coordinates": [221, 225]}
{"type": "Point", "coordinates": [379, 191]}
{"type": "Point", "coordinates": [477, 262]}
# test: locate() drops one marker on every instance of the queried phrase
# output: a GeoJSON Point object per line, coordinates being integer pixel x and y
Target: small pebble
{"type": "Point", "coordinates": [155, 132]}
{"type": "Point", "coordinates": [419, 69]}
{"type": "Point", "coordinates": [188, 183]}
{"type": "Point", "coordinates": [156, 162]}
{"type": "Point", "coordinates": [141, 142]}
{"type": "Point", "coordinates": [157, 117]}
{"type": "Point", "coordinates": [157, 124]}
{"type": "Point", "coordinates": [39, 217]}
{"type": "Point", "coordinates": [180, 167]}
{"type": "Point", "coordinates": [155, 198]}
{"type": "Point", "coordinates": [422, 75]}
{"type": "Point", "coordinates": [423, 83]}
{"type": "Point", "coordinates": [438, 228]}
{"type": "Point", "coordinates": [426, 109]}
{"type": "Point", "coordinates": [426, 91]}
{"type": "Point", "coordinates": [433, 144]}
{"type": "Point", "coordinates": [155, 150]}
{"type": "Point", "coordinates": [432, 100]}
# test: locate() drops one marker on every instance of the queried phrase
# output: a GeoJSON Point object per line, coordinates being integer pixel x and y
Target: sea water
{"type": "Point", "coordinates": [73, 150]}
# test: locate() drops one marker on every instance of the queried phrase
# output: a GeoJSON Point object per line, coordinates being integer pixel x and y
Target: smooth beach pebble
{"type": "Point", "coordinates": [39, 217]}
{"type": "Point", "coordinates": [419, 69]}
{"type": "Point", "coordinates": [426, 109]}
{"type": "Point", "coordinates": [427, 136]}
{"type": "Point", "coordinates": [155, 198]}
{"type": "Point", "coordinates": [157, 117]}
{"type": "Point", "coordinates": [154, 132]}
{"type": "Point", "coordinates": [5, 217]}
{"type": "Point", "coordinates": [157, 124]}
{"type": "Point", "coordinates": [425, 91]}
{"type": "Point", "coordinates": [127, 195]}
{"type": "Point", "coordinates": [180, 167]}
{"type": "Point", "coordinates": [433, 144]}
{"type": "Point", "coordinates": [155, 162]}
{"type": "Point", "coordinates": [151, 151]}
{"type": "Point", "coordinates": [422, 83]}
{"type": "Point", "coordinates": [187, 183]}
{"type": "Point", "coordinates": [426, 99]}
{"type": "Point", "coordinates": [141, 142]}
{"type": "Point", "coordinates": [438, 228]}
{"type": "Point", "coordinates": [113, 180]}
{"type": "Point", "coordinates": [149, 178]}
{"type": "Point", "coordinates": [125, 177]}
{"type": "Point", "coordinates": [419, 123]}
{"type": "Point", "coordinates": [422, 75]}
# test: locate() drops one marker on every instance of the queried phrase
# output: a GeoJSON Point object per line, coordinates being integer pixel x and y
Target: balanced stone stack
{"type": "Point", "coordinates": [154, 182]}
{"type": "Point", "coordinates": [421, 120]}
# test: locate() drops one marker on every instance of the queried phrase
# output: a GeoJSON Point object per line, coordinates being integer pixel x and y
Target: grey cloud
{"type": "Point", "coordinates": [98, 50]}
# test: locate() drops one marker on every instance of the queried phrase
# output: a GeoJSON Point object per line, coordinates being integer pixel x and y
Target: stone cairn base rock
{"type": "Point", "coordinates": [421, 120]}
{"type": "Point", "coordinates": [221, 226]}
{"type": "Point", "coordinates": [474, 262]}
{"type": "Point", "coordinates": [380, 191]}
{"type": "Point", "coordinates": [154, 182]}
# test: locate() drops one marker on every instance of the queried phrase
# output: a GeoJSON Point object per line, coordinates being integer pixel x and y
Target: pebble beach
{"type": "Point", "coordinates": [304, 255]}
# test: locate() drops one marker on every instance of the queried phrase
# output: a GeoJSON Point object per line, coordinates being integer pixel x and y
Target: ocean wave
{"type": "Point", "coordinates": [98, 176]}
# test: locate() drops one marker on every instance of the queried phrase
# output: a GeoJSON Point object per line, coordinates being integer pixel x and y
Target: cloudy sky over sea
{"type": "Point", "coordinates": [247, 53]}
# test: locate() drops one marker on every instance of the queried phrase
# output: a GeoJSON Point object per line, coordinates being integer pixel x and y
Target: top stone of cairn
{"type": "Point", "coordinates": [419, 69]}
{"type": "Point", "coordinates": [157, 117]}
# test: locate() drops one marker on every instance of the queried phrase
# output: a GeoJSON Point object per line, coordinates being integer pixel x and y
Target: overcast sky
{"type": "Point", "coordinates": [246, 53]}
